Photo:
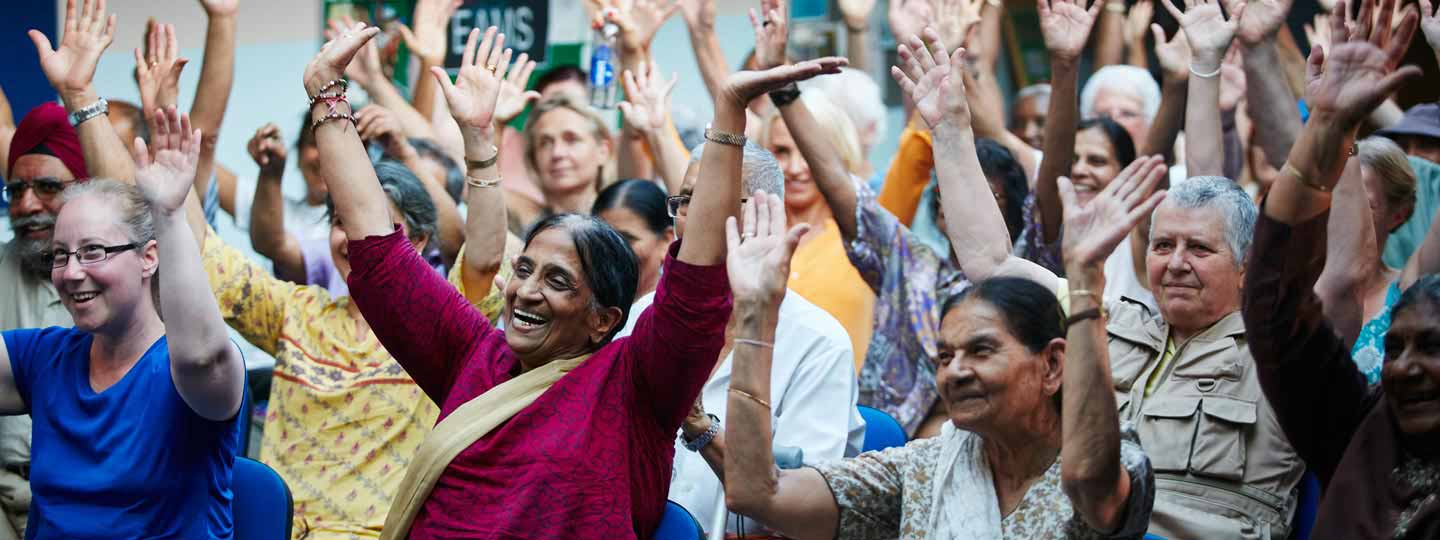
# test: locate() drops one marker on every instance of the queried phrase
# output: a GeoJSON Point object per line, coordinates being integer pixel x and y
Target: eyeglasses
{"type": "Point", "coordinates": [87, 255]}
{"type": "Point", "coordinates": [677, 205]}
{"type": "Point", "coordinates": [45, 188]}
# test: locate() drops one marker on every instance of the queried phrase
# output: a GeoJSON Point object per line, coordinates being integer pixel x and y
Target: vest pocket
{"type": "Point", "coordinates": [1199, 435]}
{"type": "Point", "coordinates": [1168, 431]}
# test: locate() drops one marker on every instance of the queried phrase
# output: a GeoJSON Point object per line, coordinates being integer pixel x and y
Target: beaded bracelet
{"type": "Point", "coordinates": [342, 83]}
{"type": "Point", "coordinates": [331, 102]}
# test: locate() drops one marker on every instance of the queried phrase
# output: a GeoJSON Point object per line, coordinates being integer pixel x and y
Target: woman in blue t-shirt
{"type": "Point", "coordinates": [135, 427]}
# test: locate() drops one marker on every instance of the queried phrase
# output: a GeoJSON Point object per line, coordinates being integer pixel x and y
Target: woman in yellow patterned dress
{"type": "Point", "coordinates": [344, 419]}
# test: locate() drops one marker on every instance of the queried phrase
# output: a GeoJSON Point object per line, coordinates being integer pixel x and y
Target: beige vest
{"type": "Point", "coordinates": [1223, 467]}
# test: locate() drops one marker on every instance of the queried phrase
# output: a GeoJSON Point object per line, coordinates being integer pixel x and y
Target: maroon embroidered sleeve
{"type": "Point", "coordinates": [420, 319]}
{"type": "Point", "coordinates": [677, 340]}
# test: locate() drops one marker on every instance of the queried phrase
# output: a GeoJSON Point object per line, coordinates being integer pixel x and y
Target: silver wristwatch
{"type": "Point", "coordinates": [89, 111]}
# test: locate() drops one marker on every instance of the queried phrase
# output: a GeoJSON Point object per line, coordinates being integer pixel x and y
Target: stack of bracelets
{"type": "Point", "coordinates": [332, 101]}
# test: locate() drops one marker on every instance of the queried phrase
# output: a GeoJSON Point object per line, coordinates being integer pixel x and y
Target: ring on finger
{"type": "Point", "coordinates": [490, 68]}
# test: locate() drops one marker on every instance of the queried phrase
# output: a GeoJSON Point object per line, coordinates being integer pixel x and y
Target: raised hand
{"type": "Point", "coordinates": [742, 86]}
{"type": "Point", "coordinates": [955, 18]}
{"type": "Point", "coordinates": [771, 33]}
{"type": "Point", "coordinates": [1066, 24]}
{"type": "Point", "coordinates": [167, 179]}
{"type": "Point", "coordinates": [1174, 54]}
{"type": "Point", "coordinates": [1318, 34]}
{"type": "Point", "coordinates": [698, 13]}
{"type": "Point", "coordinates": [1263, 18]}
{"type": "Point", "coordinates": [1429, 24]}
{"type": "Point", "coordinates": [427, 40]}
{"type": "Point", "coordinates": [758, 258]}
{"type": "Point", "coordinates": [473, 95]}
{"type": "Point", "coordinates": [1136, 20]}
{"type": "Point", "coordinates": [376, 123]}
{"type": "Point", "coordinates": [335, 55]}
{"type": "Point", "coordinates": [1207, 29]}
{"type": "Point", "coordinates": [513, 96]}
{"type": "Point", "coordinates": [855, 13]}
{"type": "Point", "coordinates": [909, 17]}
{"type": "Point", "coordinates": [267, 148]}
{"type": "Point", "coordinates": [87, 33]}
{"type": "Point", "coordinates": [1093, 228]}
{"type": "Point", "coordinates": [1232, 81]}
{"type": "Point", "coordinates": [365, 70]}
{"type": "Point", "coordinates": [220, 8]}
{"type": "Point", "coordinates": [933, 80]}
{"type": "Point", "coordinates": [638, 19]}
{"type": "Point", "coordinates": [158, 72]}
{"type": "Point", "coordinates": [1360, 70]}
{"type": "Point", "coordinates": [647, 103]}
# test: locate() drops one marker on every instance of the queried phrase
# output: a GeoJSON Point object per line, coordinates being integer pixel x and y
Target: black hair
{"type": "Point", "coordinates": [307, 133]}
{"type": "Point", "coordinates": [454, 175]}
{"type": "Point", "coordinates": [998, 163]}
{"type": "Point", "coordinates": [643, 197]}
{"type": "Point", "coordinates": [608, 264]}
{"type": "Point", "coordinates": [409, 195]}
{"type": "Point", "coordinates": [1119, 138]}
{"type": "Point", "coordinates": [559, 74]}
{"type": "Point", "coordinates": [1030, 310]}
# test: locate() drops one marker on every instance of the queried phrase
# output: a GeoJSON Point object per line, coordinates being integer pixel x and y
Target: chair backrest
{"type": "Point", "coordinates": [881, 430]}
{"type": "Point", "coordinates": [1307, 509]}
{"type": "Point", "coordinates": [677, 524]}
{"type": "Point", "coordinates": [262, 505]}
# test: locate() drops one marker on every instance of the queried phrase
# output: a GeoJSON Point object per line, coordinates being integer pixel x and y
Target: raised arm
{"type": "Point", "coordinates": [267, 213]}
{"type": "Point", "coordinates": [376, 123]}
{"type": "Point", "coordinates": [795, 502]}
{"type": "Point", "coordinates": [71, 71]}
{"type": "Point", "coordinates": [1430, 25]}
{"type": "Point", "coordinates": [208, 371]}
{"type": "Point", "coordinates": [1271, 104]}
{"type": "Point", "coordinates": [367, 72]}
{"type": "Point", "coordinates": [1174, 58]}
{"type": "Point", "coordinates": [1066, 27]}
{"type": "Point", "coordinates": [217, 77]}
{"type": "Point", "coordinates": [1137, 19]}
{"type": "Point", "coordinates": [699, 18]}
{"type": "Point", "coordinates": [157, 72]}
{"type": "Point", "coordinates": [1209, 33]}
{"type": "Point", "coordinates": [1091, 471]}
{"type": "Point", "coordinates": [647, 110]}
{"type": "Point", "coordinates": [856, 15]}
{"type": "Point", "coordinates": [7, 128]}
{"type": "Point", "coordinates": [1110, 36]}
{"type": "Point", "coordinates": [427, 43]}
{"type": "Point", "coordinates": [1351, 256]}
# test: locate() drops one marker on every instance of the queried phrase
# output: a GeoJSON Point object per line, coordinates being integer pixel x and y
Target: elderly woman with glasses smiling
{"type": "Point", "coordinates": [135, 429]}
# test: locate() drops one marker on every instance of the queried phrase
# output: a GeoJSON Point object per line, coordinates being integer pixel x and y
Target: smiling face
{"type": "Point", "coordinates": [1411, 374]}
{"type": "Point", "coordinates": [800, 190]}
{"type": "Point", "coordinates": [1191, 268]}
{"type": "Point", "coordinates": [1095, 163]}
{"type": "Point", "coordinates": [986, 377]}
{"type": "Point", "coordinates": [32, 214]}
{"type": "Point", "coordinates": [567, 154]}
{"type": "Point", "coordinates": [550, 311]}
{"type": "Point", "coordinates": [104, 295]}
{"type": "Point", "coordinates": [1029, 119]}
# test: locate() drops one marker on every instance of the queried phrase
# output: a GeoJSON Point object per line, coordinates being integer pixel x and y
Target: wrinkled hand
{"type": "Point", "coordinates": [771, 33]}
{"type": "Point", "coordinates": [427, 40]}
{"type": "Point", "coordinates": [742, 86]}
{"type": "Point", "coordinates": [335, 55]}
{"type": "Point", "coordinates": [1174, 54]}
{"type": "Point", "coordinates": [220, 8]}
{"type": "Point", "coordinates": [88, 32]}
{"type": "Point", "coordinates": [1136, 20]}
{"type": "Point", "coordinates": [855, 13]}
{"type": "Point", "coordinates": [1092, 230]}
{"type": "Point", "coordinates": [267, 148]}
{"type": "Point", "coordinates": [909, 17]}
{"type": "Point", "coordinates": [1360, 69]}
{"type": "Point", "coordinates": [365, 69]}
{"type": "Point", "coordinates": [758, 256]}
{"type": "Point", "coordinates": [1429, 24]}
{"type": "Point", "coordinates": [376, 123]}
{"type": "Point", "coordinates": [647, 103]}
{"type": "Point", "coordinates": [697, 422]}
{"type": "Point", "coordinates": [1065, 25]}
{"type": "Point", "coordinates": [158, 72]}
{"type": "Point", "coordinates": [1263, 18]}
{"type": "Point", "coordinates": [1207, 29]}
{"type": "Point", "coordinates": [954, 19]}
{"type": "Point", "coordinates": [638, 19]}
{"type": "Point", "coordinates": [933, 79]}
{"type": "Point", "coordinates": [167, 179]}
{"type": "Point", "coordinates": [698, 14]}
{"type": "Point", "coordinates": [476, 90]}
{"type": "Point", "coordinates": [513, 96]}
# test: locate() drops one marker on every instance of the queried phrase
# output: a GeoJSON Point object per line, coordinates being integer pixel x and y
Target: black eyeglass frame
{"type": "Point", "coordinates": [107, 251]}
{"type": "Point", "coordinates": [51, 188]}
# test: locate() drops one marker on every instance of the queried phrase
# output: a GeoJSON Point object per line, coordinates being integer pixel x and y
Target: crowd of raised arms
{"type": "Point", "coordinates": [488, 328]}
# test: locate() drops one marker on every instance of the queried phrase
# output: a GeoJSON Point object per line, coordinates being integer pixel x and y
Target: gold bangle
{"type": "Point", "coordinates": [1304, 180]}
{"type": "Point", "coordinates": [751, 397]}
{"type": "Point", "coordinates": [1115, 7]}
{"type": "Point", "coordinates": [484, 163]}
{"type": "Point", "coordinates": [482, 183]}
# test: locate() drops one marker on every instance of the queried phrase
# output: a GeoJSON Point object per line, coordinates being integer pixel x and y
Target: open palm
{"type": "Point", "coordinates": [1430, 24]}
{"type": "Point", "coordinates": [638, 20]}
{"type": "Point", "coordinates": [1174, 54]}
{"type": "Point", "coordinates": [855, 12]}
{"type": "Point", "coordinates": [771, 33]}
{"type": "Point", "coordinates": [909, 17]}
{"type": "Point", "coordinates": [1262, 19]}
{"type": "Point", "coordinates": [757, 260]}
{"type": "Point", "coordinates": [1093, 230]}
{"type": "Point", "coordinates": [933, 79]}
{"type": "Point", "coordinates": [158, 73]}
{"type": "Point", "coordinates": [647, 98]}
{"type": "Point", "coordinates": [513, 96]}
{"type": "Point", "coordinates": [166, 180]}
{"type": "Point", "coordinates": [1359, 71]}
{"type": "Point", "coordinates": [1206, 28]}
{"type": "Point", "coordinates": [88, 32]}
{"type": "Point", "coordinates": [473, 95]}
{"type": "Point", "coordinates": [335, 56]}
{"type": "Point", "coordinates": [1065, 25]}
{"type": "Point", "coordinates": [742, 86]}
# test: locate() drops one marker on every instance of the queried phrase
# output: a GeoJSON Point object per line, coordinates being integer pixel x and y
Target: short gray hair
{"type": "Point", "coordinates": [1124, 78]}
{"type": "Point", "coordinates": [1224, 195]}
{"type": "Point", "coordinates": [759, 170]}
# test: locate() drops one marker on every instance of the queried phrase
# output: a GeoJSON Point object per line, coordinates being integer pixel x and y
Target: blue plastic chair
{"type": "Point", "coordinates": [675, 524]}
{"type": "Point", "coordinates": [262, 505]}
{"type": "Point", "coordinates": [881, 430]}
{"type": "Point", "coordinates": [1307, 509]}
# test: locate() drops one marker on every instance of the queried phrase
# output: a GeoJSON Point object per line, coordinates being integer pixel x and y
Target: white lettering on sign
{"type": "Point", "coordinates": [514, 22]}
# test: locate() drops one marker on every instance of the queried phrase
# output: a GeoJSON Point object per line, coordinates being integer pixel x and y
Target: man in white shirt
{"type": "Point", "coordinates": [813, 388]}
